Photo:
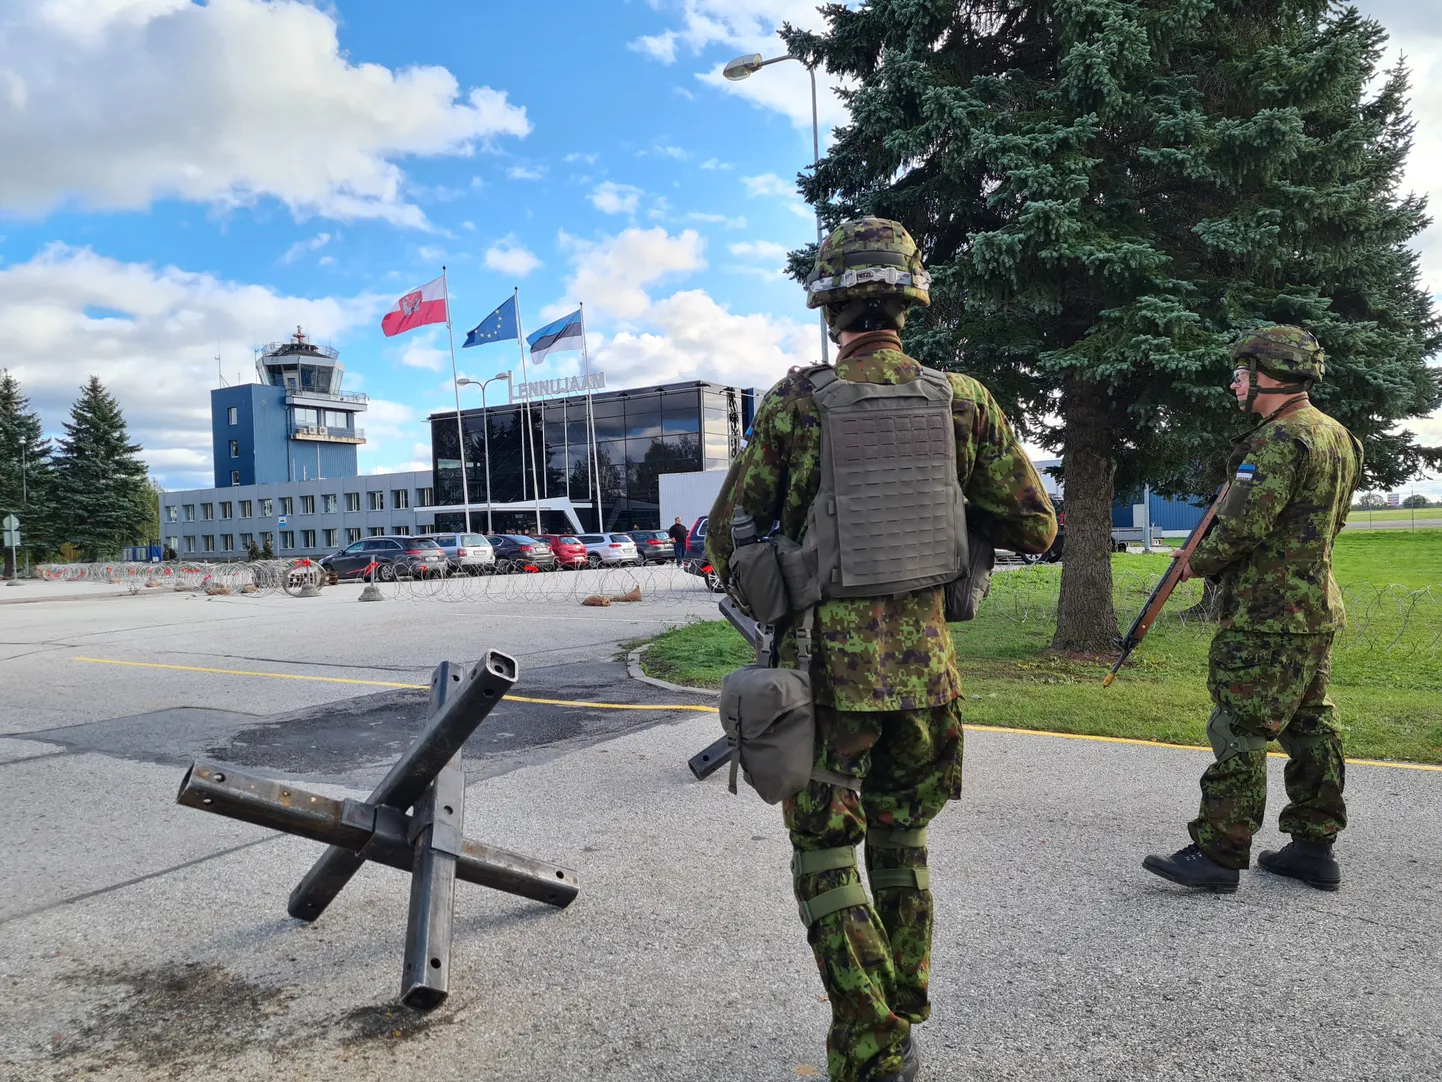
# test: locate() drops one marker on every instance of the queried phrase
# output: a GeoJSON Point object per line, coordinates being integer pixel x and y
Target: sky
{"type": "Point", "coordinates": [185, 182]}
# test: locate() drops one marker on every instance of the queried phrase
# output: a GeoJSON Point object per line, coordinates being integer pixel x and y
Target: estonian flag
{"type": "Point", "coordinates": [557, 337]}
{"type": "Point", "coordinates": [499, 326]}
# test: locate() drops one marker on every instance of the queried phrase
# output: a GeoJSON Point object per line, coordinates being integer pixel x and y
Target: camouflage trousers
{"type": "Point", "coordinates": [1270, 687]}
{"type": "Point", "coordinates": [875, 958]}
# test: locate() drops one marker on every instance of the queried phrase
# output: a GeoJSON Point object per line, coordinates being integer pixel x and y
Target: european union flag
{"type": "Point", "coordinates": [499, 326]}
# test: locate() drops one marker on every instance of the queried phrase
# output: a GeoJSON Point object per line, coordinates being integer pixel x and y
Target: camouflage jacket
{"type": "Point", "coordinates": [884, 653]}
{"type": "Point", "coordinates": [1291, 486]}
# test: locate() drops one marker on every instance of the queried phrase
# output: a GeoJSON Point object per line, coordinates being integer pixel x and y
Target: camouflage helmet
{"type": "Point", "coordinates": [1282, 351]}
{"type": "Point", "coordinates": [867, 259]}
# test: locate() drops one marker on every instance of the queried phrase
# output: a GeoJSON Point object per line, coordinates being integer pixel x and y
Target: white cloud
{"type": "Point", "coordinates": [155, 345]}
{"type": "Point", "coordinates": [764, 250]}
{"type": "Point", "coordinates": [611, 276]}
{"type": "Point", "coordinates": [302, 248]}
{"type": "Point", "coordinates": [612, 198]}
{"type": "Point", "coordinates": [423, 351]}
{"type": "Point", "coordinates": [509, 256]}
{"type": "Point", "coordinates": [716, 219]}
{"type": "Point", "coordinates": [117, 103]}
{"type": "Point", "coordinates": [524, 172]}
{"type": "Point", "coordinates": [660, 47]}
{"type": "Point", "coordinates": [577, 156]}
{"type": "Point", "coordinates": [715, 163]}
{"type": "Point", "coordinates": [669, 152]}
{"type": "Point", "coordinates": [768, 184]}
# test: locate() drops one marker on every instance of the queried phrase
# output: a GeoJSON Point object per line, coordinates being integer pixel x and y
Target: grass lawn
{"type": "Point", "coordinates": [1386, 668]}
{"type": "Point", "coordinates": [1394, 514]}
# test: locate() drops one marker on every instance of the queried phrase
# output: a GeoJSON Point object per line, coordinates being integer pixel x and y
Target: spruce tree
{"type": "Point", "coordinates": [102, 492]}
{"type": "Point", "coordinates": [1107, 193]}
{"type": "Point", "coordinates": [25, 473]}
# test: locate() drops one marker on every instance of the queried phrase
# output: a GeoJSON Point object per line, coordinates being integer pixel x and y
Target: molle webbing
{"type": "Point", "coordinates": [888, 517]}
{"type": "Point", "coordinates": [830, 901]}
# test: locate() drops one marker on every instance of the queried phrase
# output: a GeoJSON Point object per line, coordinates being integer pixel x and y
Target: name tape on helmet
{"type": "Point", "coordinates": [864, 276]}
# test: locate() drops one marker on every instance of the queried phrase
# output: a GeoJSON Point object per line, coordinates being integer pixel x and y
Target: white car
{"type": "Point", "coordinates": [609, 548]}
{"type": "Point", "coordinates": [466, 552]}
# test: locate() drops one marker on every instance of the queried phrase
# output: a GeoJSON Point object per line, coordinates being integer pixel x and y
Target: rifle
{"type": "Point", "coordinates": [1153, 608]}
{"type": "Point", "coordinates": [762, 639]}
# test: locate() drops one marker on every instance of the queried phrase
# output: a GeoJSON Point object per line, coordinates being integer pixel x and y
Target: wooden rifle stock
{"type": "Point", "coordinates": [1153, 608]}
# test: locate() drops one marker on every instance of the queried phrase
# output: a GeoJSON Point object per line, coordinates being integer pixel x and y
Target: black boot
{"type": "Point", "coordinates": [910, 1064]}
{"type": "Point", "coordinates": [1192, 868]}
{"type": "Point", "coordinates": [1311, 862]}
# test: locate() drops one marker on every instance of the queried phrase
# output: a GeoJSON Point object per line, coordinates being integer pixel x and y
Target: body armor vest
{"type": "Point", "coordinates": [889, 516]}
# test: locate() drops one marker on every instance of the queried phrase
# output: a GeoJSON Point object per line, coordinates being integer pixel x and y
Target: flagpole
{"type": "Point", "coordinates": [456, 386]}
{"type": "Point", "coordinates": [591, 420]}
{"type": "Point", "coordinates": [526, 406]}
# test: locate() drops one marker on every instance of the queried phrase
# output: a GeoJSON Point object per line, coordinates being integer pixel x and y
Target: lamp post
{"type": "Point", "coordinates": [743, 67]}
{"type": "Point", "coordinates": [486, 433]}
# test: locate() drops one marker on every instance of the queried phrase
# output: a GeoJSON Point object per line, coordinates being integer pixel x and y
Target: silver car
{"type": "Point", "coordinates": [466, 552]}
{"type": "Point", "coordinates": [609, 548]}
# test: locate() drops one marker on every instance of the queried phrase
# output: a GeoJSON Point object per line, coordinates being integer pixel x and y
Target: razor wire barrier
{"type": "Point", "coordinates": [1382, 619]}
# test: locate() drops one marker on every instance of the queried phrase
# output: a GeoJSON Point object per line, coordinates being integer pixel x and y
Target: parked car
{"type": "Point", "coordinates": [653, 546]}
{"type": "Point", "coordinates": [567, 549]}
{"type": "Point", "coordinates": [518, 551]}
{"type": "Point", "coordinates": [695, 561]}
{"type": "Point", "coordinates": [609, 548]}
{"type": "Point", "coordinates": [411, 557]}
{"type": "Point", "coordinates": [465, 552]}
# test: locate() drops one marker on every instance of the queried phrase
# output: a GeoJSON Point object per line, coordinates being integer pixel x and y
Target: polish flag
{"type": "Point", "coordinates": [417, 308]}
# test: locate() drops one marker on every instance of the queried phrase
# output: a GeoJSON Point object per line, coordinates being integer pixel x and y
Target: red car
{"type": "Point", "coordinates": [567, 548]}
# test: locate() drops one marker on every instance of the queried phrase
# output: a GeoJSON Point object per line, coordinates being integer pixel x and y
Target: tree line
{"type": "Point", "coordinates": [85, 495]}
{"type": "Point", "coordinates": [1108, 194]}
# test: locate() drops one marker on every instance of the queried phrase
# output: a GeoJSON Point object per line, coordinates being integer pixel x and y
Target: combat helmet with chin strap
{"type": "Point", "coordinates": [1284, 352]}
{"type": "Point", "coordinates": [865, 266]}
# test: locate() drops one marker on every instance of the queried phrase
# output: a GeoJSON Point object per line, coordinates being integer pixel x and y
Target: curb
{"type": "Point", "coordinates": [633, 667]}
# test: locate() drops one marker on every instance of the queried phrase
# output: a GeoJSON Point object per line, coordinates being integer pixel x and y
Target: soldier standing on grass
{"type": "Point", "coordinates": [885, 677]}
{"type": "Point", "coordinates": [1292, 479]}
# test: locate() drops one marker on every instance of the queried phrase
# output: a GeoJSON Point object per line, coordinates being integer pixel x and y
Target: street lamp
{"type": "Point", "coordinates": [743, 67]}
{"type": "Point", "coordinates": [485, 434]}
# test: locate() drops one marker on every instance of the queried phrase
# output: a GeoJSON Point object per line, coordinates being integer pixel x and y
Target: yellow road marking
{"type": "Point", "coordinates": [708, 709]}
{"type": "Point", "coordinates": [392, 684]}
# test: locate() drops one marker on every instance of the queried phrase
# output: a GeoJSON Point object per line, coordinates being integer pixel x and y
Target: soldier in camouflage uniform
{"type": "Point", "coordinates": [1291, 483]}
{"type": "Point", "coordinates": [885, 675]}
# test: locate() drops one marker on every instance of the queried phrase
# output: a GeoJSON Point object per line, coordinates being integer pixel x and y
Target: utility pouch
{"type": "Point", "coordinates": [798, 572]}
{"type": "Point", "coordinates": [965, 593]}
{"type": "Point", "coordinates": [770, 718]}
{"type": "Point", "coordinates": [757, 582]}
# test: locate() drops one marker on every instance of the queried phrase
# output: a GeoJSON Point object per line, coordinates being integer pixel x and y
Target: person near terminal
{"type": "Point", "coordinates": [677, 533]}
{"type": "Point", "coordinates": [1291, 480]}
{"type": "Point", "coordinates": [871, 471]}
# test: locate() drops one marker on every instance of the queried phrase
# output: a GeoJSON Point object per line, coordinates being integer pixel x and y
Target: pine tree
{"type": "Point", "coordinates": [102, 492]}
{"type": "Point", "coordinates": [25, 473]}
{"type": "Point", "coordinates": [1107, 193]}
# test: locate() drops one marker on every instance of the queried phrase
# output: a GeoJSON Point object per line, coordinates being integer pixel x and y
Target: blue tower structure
{"type": "Point", "coordinates": [294, 425]}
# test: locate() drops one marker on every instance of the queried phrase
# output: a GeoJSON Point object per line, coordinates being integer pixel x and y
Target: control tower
{"type": "Point", "coordinates": [294, 425]}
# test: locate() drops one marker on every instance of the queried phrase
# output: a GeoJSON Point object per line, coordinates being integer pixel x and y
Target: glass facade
{"type": "Point", "coordinates": [639, 435]}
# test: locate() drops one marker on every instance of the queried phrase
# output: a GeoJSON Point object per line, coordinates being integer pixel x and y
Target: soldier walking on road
{"type": "Point", "coordinates": [885, 682]}
{"type": "Point", "coordinates": [1291, 483]}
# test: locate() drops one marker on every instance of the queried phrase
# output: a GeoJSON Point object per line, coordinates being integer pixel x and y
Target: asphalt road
{"type": "Point", "coordinates": [141, 940]}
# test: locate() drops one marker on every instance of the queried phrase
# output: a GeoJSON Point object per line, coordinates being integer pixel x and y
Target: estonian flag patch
{"type": "Point", "coordinates": [1246, 471]}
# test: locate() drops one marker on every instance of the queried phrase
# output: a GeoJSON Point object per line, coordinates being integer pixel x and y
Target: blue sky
{"type": "Point", "coordinates": [190, 179]}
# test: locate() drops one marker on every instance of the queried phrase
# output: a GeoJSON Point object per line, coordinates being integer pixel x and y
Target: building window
{"type": "Point", "coordinates": [234, 478]}
{"type": "Point", "coordinates": [306, 416]}
{"type": "Point", "coordinates": [352, 534]}
{"type": "Point", "coordinates": [190, 512]}
{"type": "Point", "coordinates": [266, 539]}
{"type": "Point", "coordinates": [190, 544]}
{"type": "Point", "coordinates": [171, 513]}
{"type": "Point", "coordinates": [378, 501]}
{"type": "Point", "coordinates": [247, 508]}
{"type": "Point", "coordinates": [307, 539]}
{"type": "Point", "coordinates": [226, 507]}
{"type": "Point", "coordinates": [287, 539]}
{"type": "Point", "coordinates": [401, 498]}
{"type": "Point", "coordinates": [335, 419]}
{"type": "Point", "coordinates": [207, 511]}
{"type": "Point", "coordinates": [424, 528]}
{"type": "Point", "coordinates": [327, 504]}
{"type": "Point", "coordinates": [352, 501]}
{"type": "Point", "coordinates": [227, 542]}
{"type": "Point", "coordinates": [173, 544]}
{"type": "Point", "coordinates": [425, 497]}
{"type": "Point", "coordinates": [307, 505]}
{"type": "Point", "coordinates": [401, 531]}
{"type": "Point", "coordinates": [246, 540]}
{"type": "Point", "coordinates": [209, 542]}
{"type": "Point", "coordinates": [330, 538]}
{"type": "Point", "coordinates": [267, 508]}
{"type": "Point", "coordinates": [234, 448]}
{"type": "Point", "coordinates": [377, 531]}
{"type": "Point", "coordinates": [287, 506]}
{"type": "Point", "coordinates": [232, 416]}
